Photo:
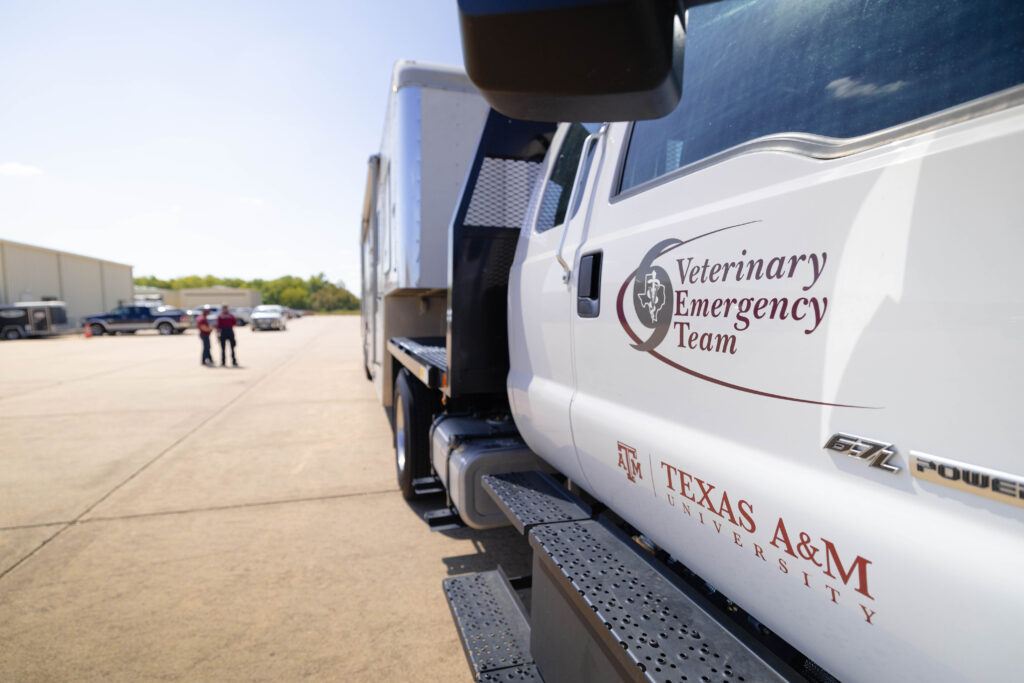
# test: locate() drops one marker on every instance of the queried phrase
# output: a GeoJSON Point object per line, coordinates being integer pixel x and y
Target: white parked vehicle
{"type": "Point", "coordinates": [754, 361]}
{"type": "Point", "coordinates": [268, 317]}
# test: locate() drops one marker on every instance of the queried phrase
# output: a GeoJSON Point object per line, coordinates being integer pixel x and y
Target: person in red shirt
{"type": "Point", "coordinates": [203, 325]}
{"type": "Point", "coordinates": [226, 332]}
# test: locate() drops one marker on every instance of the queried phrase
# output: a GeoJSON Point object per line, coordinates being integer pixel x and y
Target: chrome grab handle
{"type": "Point", "coordinates": [584, 153]}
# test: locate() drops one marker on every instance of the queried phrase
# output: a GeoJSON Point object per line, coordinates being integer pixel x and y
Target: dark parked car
{"type": "Point", "coordinates": [131, 319]}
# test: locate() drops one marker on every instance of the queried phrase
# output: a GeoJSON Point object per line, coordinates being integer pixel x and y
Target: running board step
{"type": "Point", "coordinates": [425, 486]}
{"type": "Point", "coordinates": [532, 498]}
{"type": "Point", "coordinates": [493, 630]}
{"type": "Point", "coordinates": [642, 624]}
{"type": "Point", "coordinates": [443, 519]}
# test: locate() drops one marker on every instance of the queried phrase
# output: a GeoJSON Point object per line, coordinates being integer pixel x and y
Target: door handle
{"type": "Point", "coordinates": [588, 286]}
{"type": "Point", "coordinates": [584, 158]}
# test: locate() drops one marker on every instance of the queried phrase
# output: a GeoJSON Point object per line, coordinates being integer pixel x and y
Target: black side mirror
{"type": "Point", "coordinates": [575, 60]}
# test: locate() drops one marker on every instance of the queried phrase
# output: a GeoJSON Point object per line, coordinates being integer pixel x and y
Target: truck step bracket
{"type": "Point", "coordinates": [426, 486]}
{"type": "Point", "coordinates": [425, 357]}
{"type": "Point", "coordinates": [647, 626]}
{"type": "Point", "coordinates": [492, 627]}
{"type": "Point", "coordinates": [532, 498]}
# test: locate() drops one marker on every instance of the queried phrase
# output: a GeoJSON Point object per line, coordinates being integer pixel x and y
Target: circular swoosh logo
{"type": "Point", "coordinates": [652, 303]}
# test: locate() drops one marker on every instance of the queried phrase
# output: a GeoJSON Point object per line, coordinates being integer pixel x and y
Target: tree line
{"type": "Point", "coordinates": [315, 293]}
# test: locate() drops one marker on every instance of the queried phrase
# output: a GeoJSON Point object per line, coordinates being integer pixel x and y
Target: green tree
{"type": "Point", "coordinates": [294, 297]}
{"type": "Point", "coordinates": [334, 298]}
{"type": "Point", "coordinates": [315, 292]}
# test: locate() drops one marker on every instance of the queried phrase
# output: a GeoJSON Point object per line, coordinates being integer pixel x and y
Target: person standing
{"type": "Point", "coordinates": [226, 332]}
{"type": "Point", "coordinates": [203, 325]}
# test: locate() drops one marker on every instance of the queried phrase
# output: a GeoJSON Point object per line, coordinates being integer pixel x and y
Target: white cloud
{"type": "Point", "coordinates": [256, 202]}
{"type": "Point", "coordinates": [13, 168]}
{"type": "Point", "coordinates": [851, 87]}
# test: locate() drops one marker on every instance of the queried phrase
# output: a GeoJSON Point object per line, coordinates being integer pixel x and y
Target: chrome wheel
{"type": "Point", "coordinates": [399, 433]}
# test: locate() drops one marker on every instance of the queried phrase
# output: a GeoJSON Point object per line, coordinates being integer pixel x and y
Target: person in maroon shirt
{"type": "Point", "coordinates": [226, 332]}
{"type": "Point", "coordinates": [203, 325]}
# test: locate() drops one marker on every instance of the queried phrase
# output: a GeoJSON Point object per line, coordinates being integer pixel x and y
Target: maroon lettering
{"type": "Point", "coordinates": [669, 470]}
{"type": "Point", "coordinates": [725, 508]}
{"type": "Point", "coordinates": [747, 516]}
{"type": "Point", "coordinates": [859, 565]}
{"type": "Point", "coordinates": [782, 535]}
{"type": "Point", "coordinates": [705, 492]}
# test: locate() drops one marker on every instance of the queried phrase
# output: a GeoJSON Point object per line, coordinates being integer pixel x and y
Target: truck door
{"type": "Point", "coordinates": [541, 377]}
{"type": "Point", "coordinates": [138, 318]}
{"type": "Point", "coordinates": [797, 369]}
{"type": "Point", "coordinates": [120, 319]}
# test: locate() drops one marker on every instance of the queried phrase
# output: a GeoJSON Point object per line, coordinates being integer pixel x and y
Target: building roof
{"type": "Point", "coordinates": [62, 251]}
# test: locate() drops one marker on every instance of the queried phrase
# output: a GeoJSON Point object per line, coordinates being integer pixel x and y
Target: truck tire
{"type": "Point", "coordinates": [12, 333]}
{"type": "Point", "coordinates": [415, 406]}
{"type": "Point", "coordinates": [97, 330]}
{"type": "Point", "coordinates": [165, 328]}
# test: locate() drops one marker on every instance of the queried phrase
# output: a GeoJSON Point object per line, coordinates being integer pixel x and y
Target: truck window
{"type": "Point", "coordinates": [555, 201]}
{"type": "Point", "coordinates": [830, 68]}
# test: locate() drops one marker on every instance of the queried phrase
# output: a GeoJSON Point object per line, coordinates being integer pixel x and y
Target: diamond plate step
{"type": "Point", "coordinates": [532, 498]}
{"type": "Point", "coordinates": [443, 519]}
{"type": "Point", "coordinates": [527, 673]}
{"type": "Point", "coordinates": [647, 623]}
{"type": "Point", "coordinates": [425, 486]}
{"type": "Point", "coordinates": [492, 627]}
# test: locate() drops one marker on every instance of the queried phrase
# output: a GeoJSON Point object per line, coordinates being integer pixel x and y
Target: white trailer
{"type": "Point", "coordinates": [432, 125]}
{"type": "Point", "coordinates": [759, 360]}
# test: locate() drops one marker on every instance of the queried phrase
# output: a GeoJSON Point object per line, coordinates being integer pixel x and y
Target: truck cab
{"type": "Point", "coordinates": [769, 339]}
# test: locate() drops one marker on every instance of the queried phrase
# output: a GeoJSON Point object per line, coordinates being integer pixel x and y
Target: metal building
{"type": "Point", "coordinates": [87, 285]}
{"type": "Point", "coordinates": [213, 296]}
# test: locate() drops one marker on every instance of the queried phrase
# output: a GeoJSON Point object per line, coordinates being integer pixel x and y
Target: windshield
{"type": "Point", "coordinates": [828, 68]}
{"type": "Point", "coordinates": [267, 309]}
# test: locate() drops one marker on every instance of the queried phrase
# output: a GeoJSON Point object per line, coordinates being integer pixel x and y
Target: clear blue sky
{"type": "Point", "coordinates": [202, 136]}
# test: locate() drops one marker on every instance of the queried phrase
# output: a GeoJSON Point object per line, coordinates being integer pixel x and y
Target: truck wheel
{"type": "Point", "coordinates": [12, 333]}
{"type": "Point", "coordinates": [165, 328]}
{"type": "Point", "coordinates": [415, 406]}
{"type": "Point", "coordinates": [97, 330]}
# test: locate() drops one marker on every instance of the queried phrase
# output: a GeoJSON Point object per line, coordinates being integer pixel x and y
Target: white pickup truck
{"type": "Point", "coordinates": [751, 363]}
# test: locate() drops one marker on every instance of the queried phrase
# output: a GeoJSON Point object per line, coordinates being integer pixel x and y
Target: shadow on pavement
{"type": "Point", "coordinates": [503, 546]}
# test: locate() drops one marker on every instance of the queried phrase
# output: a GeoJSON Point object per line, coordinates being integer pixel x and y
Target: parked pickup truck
{"type": "Point", "coordinates": [743, 364]}
{"type": "Point", "coordinates": [131, 319]}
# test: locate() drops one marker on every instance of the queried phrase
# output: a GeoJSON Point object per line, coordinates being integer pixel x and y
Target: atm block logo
{"type": "Point", "coordinates": [629, 463]}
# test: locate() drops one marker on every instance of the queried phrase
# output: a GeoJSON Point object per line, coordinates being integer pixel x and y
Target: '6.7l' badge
{"type": "Point", "coordinates": [876, 453]}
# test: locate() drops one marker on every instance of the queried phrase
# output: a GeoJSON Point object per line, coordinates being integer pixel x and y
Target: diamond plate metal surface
{"type": "Point", "coordinates": [650, 622]}
{"type": "Point", "coordinates": [526, 673]}
{"type": "Point", "coordinates": [494, 632]}
{"type": "Point", "coordinates": [502, 193]}
{"type": "Point", "coordinates": [532, 498]}
{"type": "Point", "coordinates": [430, 349]}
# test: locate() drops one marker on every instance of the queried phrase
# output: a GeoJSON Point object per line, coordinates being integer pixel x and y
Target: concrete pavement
{"type": "Point", "coordinates": [164, 521]}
